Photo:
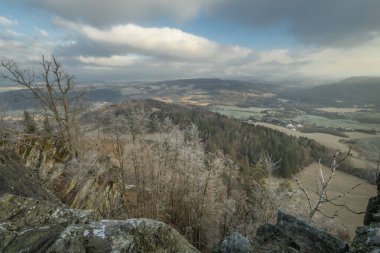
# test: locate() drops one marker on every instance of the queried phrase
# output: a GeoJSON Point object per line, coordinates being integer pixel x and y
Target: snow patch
{"type": "Point", "coordinates": [100, 232]}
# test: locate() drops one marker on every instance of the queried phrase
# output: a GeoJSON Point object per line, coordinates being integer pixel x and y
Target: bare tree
{"type": "Point", "coordinates": [54, 90]}
{"type": "Point", "coordinates": [322, 184]}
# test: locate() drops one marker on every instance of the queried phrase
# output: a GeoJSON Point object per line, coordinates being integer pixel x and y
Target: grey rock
{"type": "Point", "coordinates": [234, 243]}
{"type": "Point", "coordinates": [367, 239]}
{"type": "Point", "coordinates": [372, 214]}
{"type": "Point", "coordinates": [134, 235]}
{"type": "Point", "coordinates": [266, 231]}
{"type": "Point", "coordinates": [269, 240]}
{"type": "Point", "coordinates": [70, 240]}
{"type": "Point", "coordinates": [308, 238]}
{"type": "Point", "coordinates": [31, 225]}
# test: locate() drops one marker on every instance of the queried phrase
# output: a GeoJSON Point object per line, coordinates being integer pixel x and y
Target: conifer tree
{"type": "Point", "coordinates": [30, 125]}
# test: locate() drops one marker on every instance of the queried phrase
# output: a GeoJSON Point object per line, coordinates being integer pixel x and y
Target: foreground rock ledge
{"type": "Point", "coordinates": [308, 238]}
{"type": "Point", "coordinates": [30, 225]}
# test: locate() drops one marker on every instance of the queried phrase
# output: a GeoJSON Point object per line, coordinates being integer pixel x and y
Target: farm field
{"type": "Point", "coordinates": [357, 158]}
{"type": "Point", "coordinates": [10, 88]}
{"type": "Point", "coordinates": [328, 140]}
{"type": "Point", "coordinates": [370, 147]}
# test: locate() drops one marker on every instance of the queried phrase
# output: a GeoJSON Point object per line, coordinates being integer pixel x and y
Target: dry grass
{"type": "Point", "coordinates": [339, 110]}
{"type": "Point", "coordinates": [359, 135]}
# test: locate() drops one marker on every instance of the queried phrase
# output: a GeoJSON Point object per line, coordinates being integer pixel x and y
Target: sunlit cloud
{"type": "Point", "coordinates": [163, 41]}
{"type": "Point", "coordinates": [7, 22]}
{"type": "Point", "coordinates": [117, 61]}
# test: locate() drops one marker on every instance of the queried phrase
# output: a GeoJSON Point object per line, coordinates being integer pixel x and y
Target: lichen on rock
{"type": "Point", "coordinates": [31, 225]}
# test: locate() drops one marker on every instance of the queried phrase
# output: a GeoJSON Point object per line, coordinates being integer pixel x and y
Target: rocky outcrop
{"type": "Point", "coordinates": [15, 178]}
{"type": "Point", "coordinates": [372, 214]}
{"type": "Point", "coordinates": [308, 238]}
{"type": "Point", "coordinates": [289, 235]}
{"type": "Point", "coordinates": [367, 238]}
{"type": "Point", "coordinates": [31, 225]}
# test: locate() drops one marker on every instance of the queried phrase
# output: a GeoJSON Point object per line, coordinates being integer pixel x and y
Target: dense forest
{"type": "Point", "coordinates": [246, 143]}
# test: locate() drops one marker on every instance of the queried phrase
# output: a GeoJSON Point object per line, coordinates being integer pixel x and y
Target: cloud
{"type": "Point", "coordinates": [277, 56]}
{"type": "Point", "coordinates": [25, 48]}
{"type": "Point", "coordinates": [338, 62]}
{"type": "Point", "coordinates": [338, 23]}
{"type": "Point", "coordinates": [107, 45]}
{"type": "Point", "coordinates": [154, 41]}
{"type": "Point", "coordinates": [7, 22]}
{"type": "Point", "coordinates": [41, 31]}
{"type": "Point", "coordinates": [114, 61]}
{"type": "Point", "coordinates": [100, 12]}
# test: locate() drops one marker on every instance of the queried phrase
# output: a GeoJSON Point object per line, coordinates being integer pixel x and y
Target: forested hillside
{"type": "Point", "coordinates": [349, 92]}
{"type": "Point", "coordinates": [246, 143]}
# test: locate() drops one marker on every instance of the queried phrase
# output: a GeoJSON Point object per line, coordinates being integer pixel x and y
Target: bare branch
{"type": "Point", "coordinates": [329, 216]}
{"type": "Point", "coordinates": [54, 93]}
{"type": "Point", "coordinates": [322, 190]}
{"type": "Point", "coordinates": [303, 189]}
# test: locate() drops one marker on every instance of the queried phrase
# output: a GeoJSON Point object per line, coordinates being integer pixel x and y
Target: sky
{"type": "Point", "coordinates": [126, 40]}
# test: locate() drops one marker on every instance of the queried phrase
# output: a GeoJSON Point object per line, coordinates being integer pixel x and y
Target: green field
{"type": "Point", "coordinates": [238, 112]}
{"type": "Point", "coordinates": [321, 121]}
{"type": "Point", "coordinates": [369, 147]}
{"type": "Point", "coordinates": [370, 117]}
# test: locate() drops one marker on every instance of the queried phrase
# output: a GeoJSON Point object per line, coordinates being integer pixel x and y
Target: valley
{"type": "Point", "coordinates": [266, 104]}
{"type": "Point", "coordinates": [190, 126]}
{"type": "Point", "coordinates": [236, 120]}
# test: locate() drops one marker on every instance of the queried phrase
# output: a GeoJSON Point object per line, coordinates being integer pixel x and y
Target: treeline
{"type": "Point", "coordinates": [246, 143]}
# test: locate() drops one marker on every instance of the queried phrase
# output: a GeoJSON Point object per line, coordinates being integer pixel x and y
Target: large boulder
{"type": "Point", "coordinates": [308, 238]}
{"type": "Point", "coordinates": [31, 225]}
{"type": "Point", "coordinates": [269, 240]}
{"type": "Point", "coordinates": [132, 236]}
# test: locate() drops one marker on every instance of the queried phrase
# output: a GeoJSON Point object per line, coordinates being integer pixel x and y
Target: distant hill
{"type": "Point", "coordinates": [214, 84]}
{"type": "Point", "coordinates": [23, 99]}
{"type": "Point", "coordinates": [349, 92]}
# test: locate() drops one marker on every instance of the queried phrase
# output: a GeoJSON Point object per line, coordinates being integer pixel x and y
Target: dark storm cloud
{"type": "Point", "coordinates": [110, 12]}
{"type": "Point", "coordinates": [318, 22]}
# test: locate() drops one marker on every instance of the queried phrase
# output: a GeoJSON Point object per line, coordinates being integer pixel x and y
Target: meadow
{"type": "Point", "coordinates": [238, 112]}
{"type": "Point", "coordinates": [335, 123]}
